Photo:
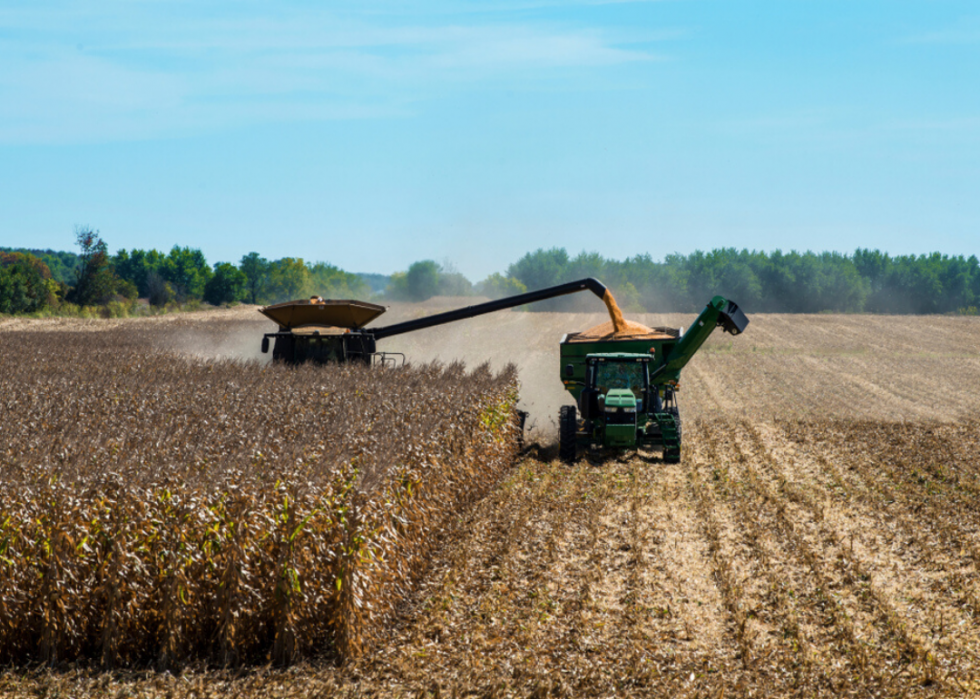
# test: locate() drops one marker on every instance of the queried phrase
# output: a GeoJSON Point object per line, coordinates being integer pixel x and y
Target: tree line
{"type": "Point", "coordinates": [868, 281]}
{"type": "Point", "coordinates": [35, 280]}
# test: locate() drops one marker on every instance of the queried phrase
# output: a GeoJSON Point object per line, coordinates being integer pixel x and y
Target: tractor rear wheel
{"type": "Point", "coordinates": [567, 427]}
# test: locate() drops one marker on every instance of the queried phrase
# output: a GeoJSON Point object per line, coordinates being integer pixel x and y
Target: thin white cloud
{"type": "Point", "coordinates": [488, 6]}
{"type": "Point", "coordinates": [961, 126]}
{"type": "Point", "coordinates": [965, 31]}
{"type": "Point", "coordinates": [143, 68]}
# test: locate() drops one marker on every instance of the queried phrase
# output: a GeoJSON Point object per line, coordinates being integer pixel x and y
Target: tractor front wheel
{"type": "Point", "coordinates": [567, 427]}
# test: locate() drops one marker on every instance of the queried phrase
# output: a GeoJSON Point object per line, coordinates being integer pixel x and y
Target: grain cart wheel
{"type": "Point", "coordinates": [672, 455]}
{"type": "Point", "coordinates": [677, 419]}
{"type": "Point", "coordinates": [566, 433]}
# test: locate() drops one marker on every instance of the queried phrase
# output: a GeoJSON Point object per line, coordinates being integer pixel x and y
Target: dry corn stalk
{"type": "Point", "coordinates": [157, 510]}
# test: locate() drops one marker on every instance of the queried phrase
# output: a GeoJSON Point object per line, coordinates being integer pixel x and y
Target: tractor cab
{"type": "Point", "coordinates": [615, 396]}
{"type": "Point", "coordinates": [619, 381]}
{"type": "Point", "coordinates": [622, 378]}
{"type": "Point", "coordinates": [619, 405]}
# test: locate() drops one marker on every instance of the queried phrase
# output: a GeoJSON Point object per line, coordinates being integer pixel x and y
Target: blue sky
{"type": "Point", "coordinates": [371, 134]}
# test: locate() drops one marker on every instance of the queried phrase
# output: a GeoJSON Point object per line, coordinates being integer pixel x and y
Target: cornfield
{"type": "Point", "coordinates": [820, 537]}
{"type": "Point", "coordinates": [155, 509]}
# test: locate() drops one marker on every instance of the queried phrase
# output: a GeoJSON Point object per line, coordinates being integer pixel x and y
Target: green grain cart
{"type": "Point", "coordinates": [626, 389]}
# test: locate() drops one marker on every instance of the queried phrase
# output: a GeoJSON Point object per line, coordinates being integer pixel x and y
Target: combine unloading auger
{"type": "Point", "coordinates": [333, 331]}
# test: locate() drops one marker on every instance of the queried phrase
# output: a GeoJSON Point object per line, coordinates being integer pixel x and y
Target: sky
{"type": "Point", "coordinates": [375, 133]}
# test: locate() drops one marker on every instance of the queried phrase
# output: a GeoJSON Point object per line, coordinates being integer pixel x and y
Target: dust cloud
{"type": "Point", "coordinates": [227, 334]}
{"type": "Point", "coordinates": [238, 342]}
{"type": "Point", "coordinates": [528, 340]}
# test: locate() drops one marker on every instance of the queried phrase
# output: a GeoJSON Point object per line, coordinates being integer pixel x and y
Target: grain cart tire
{"type": "Point", "coordinates": [674, 457]}
{"type": "Point", "coordinates": [566, 433]}
{"type": "Point", "coordinates": [677, 418]}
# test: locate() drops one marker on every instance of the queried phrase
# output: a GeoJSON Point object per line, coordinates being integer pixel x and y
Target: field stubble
{"type": "Point", "coordinates": [820, 537]}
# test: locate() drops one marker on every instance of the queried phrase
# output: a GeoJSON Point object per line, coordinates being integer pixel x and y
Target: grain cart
{"type": "Point", "coordinates": [625, 385]}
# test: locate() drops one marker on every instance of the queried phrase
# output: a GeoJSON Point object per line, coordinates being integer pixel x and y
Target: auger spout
{"type": "Point", "coordinates": [720, 312]}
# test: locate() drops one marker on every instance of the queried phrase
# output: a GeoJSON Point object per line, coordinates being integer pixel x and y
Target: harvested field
{"type": "Point", "coordinates": [890, 368]}
{"type": "Point", "coordinates": [821, 536]}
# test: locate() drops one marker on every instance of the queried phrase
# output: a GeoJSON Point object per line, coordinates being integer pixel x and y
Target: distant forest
{"type": "Point", "coordinates": [867, 281]}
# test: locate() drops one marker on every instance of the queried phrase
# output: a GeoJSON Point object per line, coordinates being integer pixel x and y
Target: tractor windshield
{"type": "Point", "coordinates": [628, 374]}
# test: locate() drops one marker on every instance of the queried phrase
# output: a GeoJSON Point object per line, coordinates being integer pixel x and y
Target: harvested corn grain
{"type": "Point", "coordinates": [619, 323]}
{"type": "Point", "coordinates": [632, 331]}
{"type": "Point", "coordinates": [618, 327]}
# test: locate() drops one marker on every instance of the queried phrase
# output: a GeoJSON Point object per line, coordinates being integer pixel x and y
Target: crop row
{"type": "Point", "coordinates": [155, 509]}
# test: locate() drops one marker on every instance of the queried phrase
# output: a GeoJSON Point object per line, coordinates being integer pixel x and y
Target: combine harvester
{"type": "Point", "coordinates": [624, 376]}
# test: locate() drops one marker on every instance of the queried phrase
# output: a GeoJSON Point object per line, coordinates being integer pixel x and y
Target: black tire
{"type": "Point", "coordinates": [567, 427]}
{"type": "Point", "coordinates": [677, 419]}
{"type": "Point", "coordinates": [673, 455]}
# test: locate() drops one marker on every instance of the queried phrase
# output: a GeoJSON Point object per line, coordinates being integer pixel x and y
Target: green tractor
{"type": "Point", "coordinates": [625, 389]}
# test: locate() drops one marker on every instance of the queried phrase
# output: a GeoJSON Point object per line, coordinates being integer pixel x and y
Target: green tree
{"type": "Point", "coordinates": [226, 285]}
{"type": "Point", "coordinates": [187, 271]}
{"type": "Point", "coordinates": [137, 266]}
{"type": "Point", "coordinates": [289, 278]}
{"type": "Point", "coordinates": [629, 298]}
{"type": "Point", "coordinates": [541, 268]}
{"type": "Point", "coordinates": [126, 289]}
{"type": "Point", "coordinates": [61, 265]}
{"type": "Point", "coordinates": [661, 286]}
{"type": "Point", "coordinates": [956, 275]}
{"type": "Point", "coordinates": [95, 281]}
{"type": "Point", "coordinates": [497, 286]}
{"type": "Point", "coordinates": [26, 285]}
{"type": "Point", "coordinates": [455, 284]}
{"type": "Point", "coordinates": [422, 280]}
{"type": "Point", "coordinates": [256, 271]}
{"type": "Point", "coordinates": [332, 282]}
{"type": "Point", "coordinates": [158, 290]}
{"type": "Point", "coordinates": [397, 288]}
{"type": "Point", "coordinates": [584, 265]}
{"type": "Point", "coordinates": [974, 265]}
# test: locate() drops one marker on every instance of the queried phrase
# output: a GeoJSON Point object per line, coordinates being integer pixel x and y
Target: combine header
{"type": "Point", "coordinates": [623, 376]}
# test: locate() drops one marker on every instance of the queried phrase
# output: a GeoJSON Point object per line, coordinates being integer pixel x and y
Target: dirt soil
{"type": "Point", "coordinates": [820, 537]}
